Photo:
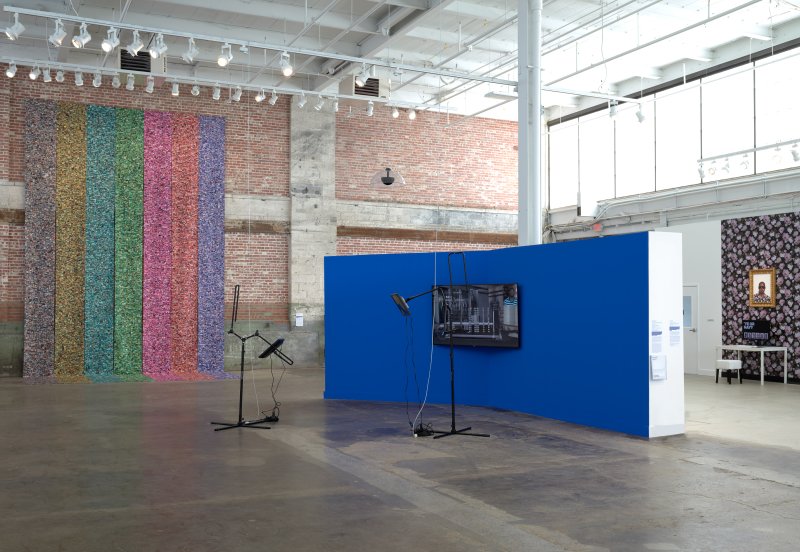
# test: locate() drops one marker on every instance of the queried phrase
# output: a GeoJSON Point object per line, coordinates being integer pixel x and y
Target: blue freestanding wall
{"type": "Point", "coordinates": [583, 331]}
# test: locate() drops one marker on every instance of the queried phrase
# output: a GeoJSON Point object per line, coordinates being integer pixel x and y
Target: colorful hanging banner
{"type": "Point", "coordinates": [184, 245]}
{"type": "Point", "coordinates": [124, 244]}
{"type": "Point", "coordinates": [99, 282]}
{"type": "Point", "coordinates": [70, 240]}
{"type": "Point", "coordinates": [157, 285]}
{"type": "Point", "coordinates": [211, 247]}
{"type": "Point", "coordinates": [40, 230]}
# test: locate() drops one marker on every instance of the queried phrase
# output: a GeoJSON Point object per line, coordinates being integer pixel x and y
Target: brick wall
{"type": "Point", "coordinates": [472, 164]}
{"type": "Point", "coordinates": [259, 263]}
{"type": "Point", "coordinates": [12, 293]}
{"type": "Point", "coordinates": [346, 245]}
{"type": "Point", "coordinates": [469, 164]}
{"type": "Point", "coordinates": [257, 163]}
{"type": "Point", "coordinates": [257, 148]}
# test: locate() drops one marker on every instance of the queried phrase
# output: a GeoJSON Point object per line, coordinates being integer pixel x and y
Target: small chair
{"type": "Point", "coordinates": [728, 366]}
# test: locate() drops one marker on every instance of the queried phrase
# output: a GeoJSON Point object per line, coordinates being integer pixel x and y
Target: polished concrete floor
{"type": "Point", "coordinates": [136, 467]}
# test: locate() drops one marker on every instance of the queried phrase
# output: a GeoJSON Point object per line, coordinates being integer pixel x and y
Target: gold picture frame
{"type": "Point", "coordinates": [762, 290]}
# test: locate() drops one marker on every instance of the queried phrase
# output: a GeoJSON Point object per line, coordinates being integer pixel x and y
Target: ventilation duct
{"type": "Point", "coordinates": [373, 88]}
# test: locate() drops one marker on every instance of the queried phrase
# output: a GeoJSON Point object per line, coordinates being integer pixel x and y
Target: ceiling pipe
{"type": "Point", "coordinates": [655, 41]}
{"type": "Point", "coordinates": [262, 45]}
{"type": "Point", "coordinates": [338, 37]}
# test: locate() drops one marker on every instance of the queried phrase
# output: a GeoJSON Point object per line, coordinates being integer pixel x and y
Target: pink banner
{"type": "Point", "coordinates": [158, 262]}
{"type": "Point", "coordinates": [185, 140]}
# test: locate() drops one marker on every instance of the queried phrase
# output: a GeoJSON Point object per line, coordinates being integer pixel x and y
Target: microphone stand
{"type": "Point", "coordinates": [449, 314]}
{"type": "Point", "coordinates": [402, 304]}
{"type": "Point", "coordinates": [255, 424]}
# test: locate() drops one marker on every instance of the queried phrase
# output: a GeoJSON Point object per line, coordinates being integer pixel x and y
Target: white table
{"type": "Point", "coordinates": [753, 349]}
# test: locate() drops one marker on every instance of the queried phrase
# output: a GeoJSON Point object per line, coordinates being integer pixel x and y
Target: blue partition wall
{"type": "Point", "coordinates": [583, 331]}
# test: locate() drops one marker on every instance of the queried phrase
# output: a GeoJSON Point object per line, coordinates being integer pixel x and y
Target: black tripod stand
{"type": "Point", "coordinates": [273, 348]}
{"type": "Point", "coordinates": [402, 304]}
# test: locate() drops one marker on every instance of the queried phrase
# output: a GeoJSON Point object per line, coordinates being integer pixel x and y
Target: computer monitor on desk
{"type": "Point", "coordinates": [755, 331]}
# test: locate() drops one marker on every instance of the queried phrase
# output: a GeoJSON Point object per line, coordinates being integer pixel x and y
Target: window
{"type": "Point", "coordinates": [777, 110]}
{"type": "Point", "coordinates": [677, 136]}
{"type": "Point", "coordinates": [596, 151]}
{"type": "Point", "coordinates": [563, 141]}
{"type": "Point", "coordinates": [635, 150]}
{"type": "Point", "coordinates": [728, 124]}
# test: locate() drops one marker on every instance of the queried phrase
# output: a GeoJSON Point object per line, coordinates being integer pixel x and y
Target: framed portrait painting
{"type": "Point", "coordinates": [762, 287]}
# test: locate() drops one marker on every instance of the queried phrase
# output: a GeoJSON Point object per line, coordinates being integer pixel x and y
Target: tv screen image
{"type": "Point", "coordinates": [755, 330]}
{"type": "Point", "coordinates": [482, 315]}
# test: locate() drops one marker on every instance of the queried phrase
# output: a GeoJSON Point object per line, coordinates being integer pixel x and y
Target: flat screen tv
{"type": "Point", "coordinates": [755, 330]}
{"type": "Point", "coordinates": [482, 315]}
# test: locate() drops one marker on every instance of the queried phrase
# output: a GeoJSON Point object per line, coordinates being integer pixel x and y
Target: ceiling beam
{"type": "Point", "coordinates": [376, 44]}
{"type": "Point", "coordinates": [258, 15]}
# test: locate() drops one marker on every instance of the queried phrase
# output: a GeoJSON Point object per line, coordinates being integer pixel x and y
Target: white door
{"type": "Point", "coordinates": [690, 318]}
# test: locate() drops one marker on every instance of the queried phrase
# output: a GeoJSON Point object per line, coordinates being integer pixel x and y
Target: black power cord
{"type": "Point", "coordinates": [422, 430]}
{"type": "Point", "coordinates": [276, 410]}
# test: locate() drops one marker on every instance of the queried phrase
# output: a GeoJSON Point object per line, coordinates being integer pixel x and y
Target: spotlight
{"type": "Point", "coordinates": [320, 103]}
{"type": "Point", "coordinates": [12, 70]}
{"type": "Point", "coordinates": [640, 115]}
{"type": "Point", "coordinates": [195, 90]}
{"type": "Point", "coordinates": [189, 55]}
{"type": "Point", "coordinates": [285, 64]}
{"type": "Point", "coordinates": [727, 166]}
{"type": "Point", "coordinates": [78, 78]}
{"type": "Point", "coordinates": [225, 56]}
{"type": "Point", "coordinates": [82, 39]}
{"type": "Point", "coordinates": [370, 108]}
{"type": "Point", "coordinates": [612, 108]}
{"type": "Point", "coordinates": [745, 162]}
{"type": "Point", "coordinates": [115, 82]}
{"type": "Point", "coordinates": [795, 153]}
{"type": "Point", "coordinates": [158, 48]}
{"type": "Point", "coordinates": [701, 171]}
{"type": "Point", "coordinates": [237, 94]}
{"type": "Point", "coordinates": [129, 83]}
{"type": "Point", "coordinates": [302, 101]}
{"type": "Point", "coordinates": [176, 89]}
{"type": "Point", "coordinates": [712, 170]}
{"type": "Point", "coordinates": [215, 94]}
{"type": "Point", "coordinates": [35, 72]}
{"type": "Point", "coordinates": [260, 96]}
{"type": "Point", "coordinates": [97, 80]}
{"type": "Point", "coordinates": [336, 106]}
{"type": "Point", "coordinates": [46, 75]}
{"type": "Point", "coordinates": [412, 113]}
{"type": "Point", "coordinates": [273, 99]}
{"type": "Point", "coordinates": [395, 113]}
{"type": "Point", "coordinates": [111, 41]}
{"type": "Point", "coordinates": [58, 35]}
{"type": "Point", "coordinates": [151, 83]}
{"type": "Point", "coordinates": [16, 29]}
{"type": "Point", "coordinates": [59, 76]}
{"type": "Point", "coordinates": [363, 76]}
{"type": "Point", "coordinates": [136, 44]}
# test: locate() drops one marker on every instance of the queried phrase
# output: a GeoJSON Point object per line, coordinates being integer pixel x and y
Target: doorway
{"type": "Point", "coordinates": [690, 317]}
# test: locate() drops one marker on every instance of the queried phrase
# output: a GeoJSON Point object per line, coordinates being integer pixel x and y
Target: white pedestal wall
{"type": "Point", "coordinates": [667, 411]}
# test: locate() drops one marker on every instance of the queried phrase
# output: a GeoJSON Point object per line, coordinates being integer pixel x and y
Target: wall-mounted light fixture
{"type": "Point", "coordinates": [16, 29]}
{"type": "Point", "coordinates": [81, 39]}
{"type": "Point", "coordinates": [111, 41]}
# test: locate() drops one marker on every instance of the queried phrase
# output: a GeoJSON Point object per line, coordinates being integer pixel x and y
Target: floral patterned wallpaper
{"type": "Point", "coordinates": [770, 241]}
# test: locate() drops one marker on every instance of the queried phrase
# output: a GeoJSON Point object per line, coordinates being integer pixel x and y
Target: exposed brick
{"type": "Point", "coordinates": [471, 164]}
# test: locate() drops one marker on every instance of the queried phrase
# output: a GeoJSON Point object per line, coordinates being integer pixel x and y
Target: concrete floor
{"type": "Point", "coordinates": [136, 467]}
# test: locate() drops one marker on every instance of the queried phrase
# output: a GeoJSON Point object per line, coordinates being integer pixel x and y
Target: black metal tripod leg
{"type": "Point", "coordinates": [464, 431]}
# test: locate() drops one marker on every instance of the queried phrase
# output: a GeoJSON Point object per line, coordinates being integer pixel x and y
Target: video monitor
{"type": "Point", "coordinates": [755, 330]}
{"type": "Point", "coordinates": [481, 315]}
